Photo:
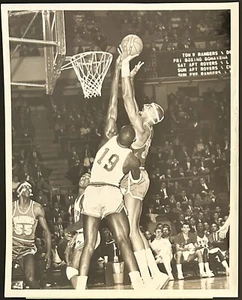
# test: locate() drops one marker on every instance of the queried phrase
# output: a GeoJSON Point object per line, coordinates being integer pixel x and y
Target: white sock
{"type": "Point", "coordinates": [70, 272]}
{"type": "Point", "coordinates": [142, 264]}
{"type": "Point", "coordinates": [154, 270]}
{"type": "Point", "coordinates": [81, 283]}
{"type": "Point", "coordinates": [136, 280]}
{"type": "Point", "coordinates": [206, 264]}
{"type": "Point", "coordinates": [179, 269]}
{"type": "Point", "coordinates": [201, 268]}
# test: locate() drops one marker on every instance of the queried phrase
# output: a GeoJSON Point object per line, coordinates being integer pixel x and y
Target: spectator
{"type": "Point", "coordinates": [42, 198]}
{"type": "Point", "coordinates": [172, 201]}
{"type": "Point", "coordinates": [193, 225]}
{"type": "Point", "coordinates": [183, 199]}
{"type": "Point", "coordinates": [149, 236]}
{"type": "Point", "coordinates": [108, 247]}
{"type": "Point", "coordinates": [164, 192]}
{"type": "Point", "coordinates": [206, 228]}
{"type": "Point", "coordinates": [198, 201]}
{"type": "Point", "coordinates": [162, 248]}
{"type": "Point", "coordinates": [179, 222]}
{"type": "Point", "coordinates": [43, 185]}
{"type": "Point", "coordinates": [59, 198]}
{"type": "Point", "coordinates": [202, 186]}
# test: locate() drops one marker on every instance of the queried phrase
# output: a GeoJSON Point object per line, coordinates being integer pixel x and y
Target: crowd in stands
{"type": "Point", "coordinates": [159, 30]}
{"type": "Point", "coordinates": [22, 126]}
{"type": "Point", "coordinates": [175, 29]}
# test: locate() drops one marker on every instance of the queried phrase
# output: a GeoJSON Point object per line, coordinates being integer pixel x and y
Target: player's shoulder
{"type": "Point", "coordinates": [105, 140]}
{"type": "Point", "coordinates": [37, 207]}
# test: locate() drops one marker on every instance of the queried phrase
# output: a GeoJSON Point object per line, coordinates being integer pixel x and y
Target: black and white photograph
{"type": "Point", "coordinates": [148, 93]}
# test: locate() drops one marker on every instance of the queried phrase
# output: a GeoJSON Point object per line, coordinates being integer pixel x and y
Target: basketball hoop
{"type": "Point", "coordinates": [91, 68]}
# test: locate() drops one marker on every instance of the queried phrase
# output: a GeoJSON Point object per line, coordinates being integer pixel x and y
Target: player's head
{"type": "Point", "coordinates": [153, 112]}
{"type": "Point", "coordinates": [200, 227]}
{"type": "Point", "coordinates": [24, 189]}
{"type": "Point", "coordinates": [126, 136]}
{"type": "Point", "coordinates": [185, 227]}
{"type": "Point", "coordinates": [84, 180]}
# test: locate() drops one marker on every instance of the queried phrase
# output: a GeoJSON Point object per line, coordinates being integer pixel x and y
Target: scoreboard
{"type": "Point", "coordinates": [187, 63]}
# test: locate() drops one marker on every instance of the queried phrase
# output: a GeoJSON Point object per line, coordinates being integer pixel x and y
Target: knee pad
{"type": "Point", "coordinates": [70, 272]}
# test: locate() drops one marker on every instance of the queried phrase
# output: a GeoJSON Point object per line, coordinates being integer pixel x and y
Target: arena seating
{"type": "Point", "coordinates": [159, 31]}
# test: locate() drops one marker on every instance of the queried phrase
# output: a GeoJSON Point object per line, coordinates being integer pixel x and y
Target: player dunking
{"type": "Point", "coordinates": [103, 198]}
{"type": "Point", "coordinates": [26, 215]}
{"type": "Point", "coordinates": [134, 193]}
{"type": "Point", "coordinates": [75, 245]}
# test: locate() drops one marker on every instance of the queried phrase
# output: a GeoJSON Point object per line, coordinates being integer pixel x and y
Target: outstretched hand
{"type": "Point", "coordinates": [125, 59]}
{"type": "Point", "coordinates": [136, 69]}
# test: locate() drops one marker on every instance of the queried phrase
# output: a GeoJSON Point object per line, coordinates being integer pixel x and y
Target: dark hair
{"type": "Point", "coordinates": [167, 226]}
{"type": "Point", "coordinates": [186, 223]}
{"type": "Point", "coordinates": [126, 136]}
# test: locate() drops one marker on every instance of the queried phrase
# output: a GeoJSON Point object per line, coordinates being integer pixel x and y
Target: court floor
{"type": "Point", "coordinates": [220, 282]}
{"type": "Point", "coordinates": [203, 283]}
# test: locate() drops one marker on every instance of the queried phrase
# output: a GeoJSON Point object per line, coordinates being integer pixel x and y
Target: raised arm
{"type": "Point", "coordinates": [110, 124]}
{"type": "Point", "coordinates": [129, 98]}
{"type": "Point", "coordinates": [132, 76]}
{"type": "Point", "coordinates": [40, 214]}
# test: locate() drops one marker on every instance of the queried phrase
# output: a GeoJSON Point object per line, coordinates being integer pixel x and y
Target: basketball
{"type": "Point", "coordinates": [132, 44]}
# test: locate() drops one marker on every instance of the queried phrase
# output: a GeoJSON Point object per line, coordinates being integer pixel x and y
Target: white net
{"type": "Point", "coordinates": [91, 68]}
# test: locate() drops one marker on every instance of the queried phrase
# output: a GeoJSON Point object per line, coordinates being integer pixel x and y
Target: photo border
{"type": "Point", "coordinates": [234, 168]}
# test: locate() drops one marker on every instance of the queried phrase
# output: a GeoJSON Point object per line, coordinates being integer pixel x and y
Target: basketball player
{"type": "Point", "coordinates": [208, 251]}
{"type": "Point", "coordinates": [103, 198]}
{"type": "Point", "coordinates": [26, 215]}
{"type": "Point", "coordinates": [75, 245]}
{"type": "Point", "coordinates": [134, 192]}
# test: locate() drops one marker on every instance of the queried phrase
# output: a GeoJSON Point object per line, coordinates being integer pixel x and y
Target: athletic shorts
{"type": "Point", "coordinates": [21, 249]}
{"type": "Point", "coordinates": [102, 200]}
{"type": "Point", "coordinates": [136, 190]}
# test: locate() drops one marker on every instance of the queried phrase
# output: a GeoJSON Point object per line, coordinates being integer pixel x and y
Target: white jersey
{"type": "Point", "coordinates": [202, 241]}
{"type": "Point", "coordinates": [108, 164]}
{"type": "Point", "coordinates": [77, 208]}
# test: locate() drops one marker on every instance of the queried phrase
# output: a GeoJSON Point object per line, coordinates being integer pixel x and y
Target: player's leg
{"type": "Point", "coordinates": [119, 226]}
{"type": "Point", "coordinates": [179, 258]}
{"type": "Point", "coordinates": [217, 252]}
{"type": "Point", "coordinates": [29, 271]}
{"type": "Point", "coordinates": [167, 263]}
{"type": "Point", "coordinates": [134, 208]}
{"type": "Point", "coordinates": [206, 263]}
{"type": "Point", "coordinates": [75, 265]}
{"type": "Point", "coordinates": [199, 256]}
{"type": "Point", "coordinates": [90, 226]}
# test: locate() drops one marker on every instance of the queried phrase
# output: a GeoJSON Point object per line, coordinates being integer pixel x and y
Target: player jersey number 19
{"type": "Point", "coordinates": [111, 161]}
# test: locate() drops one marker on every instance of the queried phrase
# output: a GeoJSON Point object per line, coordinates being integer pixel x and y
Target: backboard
{"type": "Point", "coordinates": [53, 42]}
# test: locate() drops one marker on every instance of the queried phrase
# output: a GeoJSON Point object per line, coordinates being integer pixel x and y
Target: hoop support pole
{"type": "Point", "coordinates": [32, 41]}
{"type": "Point", "coordinates": [28, 84]}
{"type": "Point", "coordinates": [19, 13]}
